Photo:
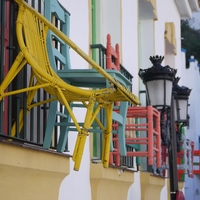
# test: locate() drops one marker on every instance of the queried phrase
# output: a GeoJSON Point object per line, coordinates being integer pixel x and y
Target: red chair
{"type": "Point", "coordinates": [124, 135]}
{"type": "Point", "coordinates": [196, 165]}
{"type": "Point", "coordinates": [151, 127]}
{"type": "Point", "coordinates": [112, 55]}
{"type": "Point", "coordinates": [185, 160]}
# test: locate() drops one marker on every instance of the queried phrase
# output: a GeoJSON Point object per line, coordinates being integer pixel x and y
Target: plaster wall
{"type": "Point", "coordinates": [122, 24]}
{"type": "Point", "coordinates": [191, 78]}
{"type": "Point", "coordinates": [111, 20]}
{"type": "Point", "coordinates": [28, 172]}
{"type": "Point", "coordinates": [129, 40]}
{"type": "Point", "coordinates": [79, 29]}
{"type": "Point", "coordinates": [136, 42]}
{"type": "Point", "coordinates": [167, 12]}
{"type": "Point", "coordinates": [77, 184]}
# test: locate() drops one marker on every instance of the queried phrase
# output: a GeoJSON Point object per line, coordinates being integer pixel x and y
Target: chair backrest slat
{"type": "Point", "coordinates": [57, 49]}
{"type": "Point", "coordinates": [35, 33]}
{"type": "Point", "coordinates": [112, 55]}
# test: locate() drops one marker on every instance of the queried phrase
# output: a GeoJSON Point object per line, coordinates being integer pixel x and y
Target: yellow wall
{"type": "Point", "coordinates": [151, 186]}
{"type": "Point", "coordinates": [30, 173]}
{"type": "Point", "coordinates": [109, 183]}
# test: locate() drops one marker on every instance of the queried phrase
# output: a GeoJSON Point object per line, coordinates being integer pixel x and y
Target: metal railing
{"type": "Point", "coordinates": [100, 57]}
{"type": "Point", "coordinates": [34, 123]}
{"type": "Point", "coordinates": [101, 52]}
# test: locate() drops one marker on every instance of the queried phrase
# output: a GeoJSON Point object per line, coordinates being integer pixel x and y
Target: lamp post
{"type": "Point", "coordinates": [164, 94]}
{"type": "Point", "coordinates": [158, 81]}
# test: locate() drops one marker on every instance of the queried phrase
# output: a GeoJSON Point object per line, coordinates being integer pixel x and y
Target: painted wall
{"type": "Point", "coordinates": [192, 186]}
{"type": "Point", "coordinates": [76, 185]}
{"type": "Point", "coordinates": [138, 40]}
{"type": "Point", "coordinates": [129, 40]}
{"type": "Point", "coordinates": [191, 78]}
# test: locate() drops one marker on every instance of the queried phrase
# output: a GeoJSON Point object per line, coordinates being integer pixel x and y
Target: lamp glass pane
{"type": "Point", "coordinates": [175, 110]}
{"type": "Point", "coordinates": [183, 109]}
{"type": "Point", "coordinates": [180, 110]}
{"type": "Point", "coordinates": [157, 92]}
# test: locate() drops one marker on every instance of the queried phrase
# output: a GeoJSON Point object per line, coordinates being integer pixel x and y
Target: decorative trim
{"type": "Point", "coordinates": [170, 34]}
{"type": "Point", "coordinates": [184, 9]}
{"type": "Point", "coordinates": [110, 183]}
{"type": "Point", "coordinates": [148, 9]}
{"type": "Point", "coordinates": [194, 4]}
{"type": "Point", "coordinates": [31, 173]}
{"type": "Point", "coordinates": [183, 50]}
{"type": "Point", "coordinates": [191, 60]}
{"type": "Point", "coordinates": [180, 187]}
{"type": "Point", "coordinates": [151, 186]}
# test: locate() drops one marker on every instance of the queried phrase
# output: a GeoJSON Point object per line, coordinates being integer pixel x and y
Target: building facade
{"type": "Point", "coordinates": [142, 29]}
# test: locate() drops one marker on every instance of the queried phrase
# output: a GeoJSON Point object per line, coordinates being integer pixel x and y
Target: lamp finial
{"type": "Point", "coordinates": [156, 59]}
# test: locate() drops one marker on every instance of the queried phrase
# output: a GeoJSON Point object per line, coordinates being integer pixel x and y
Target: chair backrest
{"type": "Point", "coordinates": [58, 50]}
{"type": "Point", "coordinates": [34, 39]}
{"type": "Point", "coordinates": [112, 55]}
{"type": "Point", "coordinates": [32, 29]}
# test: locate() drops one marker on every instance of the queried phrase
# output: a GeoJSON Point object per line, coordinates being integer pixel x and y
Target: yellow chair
{"type": "Point", "coordinates": [31, 29]}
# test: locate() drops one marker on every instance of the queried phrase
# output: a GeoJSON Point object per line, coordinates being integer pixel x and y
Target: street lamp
{"type": "Point", "coordinates": [158, 81]}
{"type": "Point", "coordinates": [164, 94]}
{"type": "Point", "coordinates": [181, 96]}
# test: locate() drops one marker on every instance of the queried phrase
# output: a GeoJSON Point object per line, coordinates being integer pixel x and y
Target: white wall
{"type": "Point", "coordinates": [191, 78]}
{"type": "Point", "coordinates": [124, 30]}
{"type": "Point", "coordinates": [129, 43]}
{"type": "Point", "coordinates": [135, 189]}
{"type": "Point", "coordinates": [77, 184]}
{"type": "Point", "coordinates": [111, 20]}
{"type": "Point", "coordinates": [167, 12]}
{"type": "Point", "coordinates": [79, 29]}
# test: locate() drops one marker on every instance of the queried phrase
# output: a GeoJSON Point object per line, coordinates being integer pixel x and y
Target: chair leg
{"type": "Point", "coordinates": [14, 130]}
{"type": "Point", "coordinates": [30, 97]}
{"type": "Point", "coordinates": [14, 70]}
{"type": "Point", "coordinates": [79, 147]}
{"type": "Point", "coordinates": [63, 133]}
{"type": "Point", "coordinates": [107, 135]}
{"type": "Point", "coordinates": [50, 125]}
{"type": "Point", "coordinates": [158, 142]}
{"type": "Point", "coordinates": [121, 128]}
{"type": "Point", "coordinates": [150, 136]}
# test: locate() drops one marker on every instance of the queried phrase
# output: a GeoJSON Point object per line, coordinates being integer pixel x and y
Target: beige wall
{"type": "Point", "coordinates": [29, 173]}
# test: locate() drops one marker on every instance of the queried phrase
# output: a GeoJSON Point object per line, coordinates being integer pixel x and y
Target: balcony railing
{"type": "Point", "coordinates": [101, 53]}
{"type": "Point", "coordinates": [34, 125]}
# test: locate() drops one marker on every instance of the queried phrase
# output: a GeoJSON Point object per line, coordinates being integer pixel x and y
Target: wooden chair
{"type": "Point", "coordinates": [185, 159]}
{"type": "Point", "coordinates": [112, 55]}
{"type": "Point", "coordinates": [32, 29]}
{"type": "Point", "coordinates": [58, 53]}
{"type": "Point", "coordinates": [196, 163]}
{"type": "Point", "coordinates": [150, 124]}
{"type": "Point", "coordinates": [124, 134]}
{"type": "Point", "coordinates": [55, 12]}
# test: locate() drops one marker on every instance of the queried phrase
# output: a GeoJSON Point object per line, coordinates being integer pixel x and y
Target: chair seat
{"type": "Point", "coordinates": [90, 77]}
